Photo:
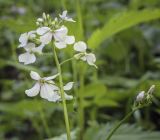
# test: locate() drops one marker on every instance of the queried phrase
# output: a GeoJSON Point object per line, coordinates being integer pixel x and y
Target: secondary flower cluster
{"type": "Point", "coordinates": [50, 31]}
{"type": "Point", "coordinates": [145, 98]}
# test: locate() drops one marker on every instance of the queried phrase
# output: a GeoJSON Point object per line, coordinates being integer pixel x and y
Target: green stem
{"type": "Point", "coordinates": [120, 123]}
{"type": "Point", "coordinates": [66, 60]}
{"type": "Point", "coordinates": [62, 95]}
{"type": "Point", "coordinates": [63, 2]}
{"type": "Point", "coordinates": [81, 108]}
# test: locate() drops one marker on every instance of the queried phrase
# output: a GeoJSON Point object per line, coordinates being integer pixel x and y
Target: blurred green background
{"type": "Point", "coordinates": [125, 37]}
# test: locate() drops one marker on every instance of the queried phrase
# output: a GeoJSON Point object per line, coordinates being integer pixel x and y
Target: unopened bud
{"type": "Point", "coordinates": [140, 96]}
{"type": "Point", "coordinates": [151, 89]}
{"type": "Point", "coordinates": [37, 23]}
{"type": "Point", "coordinates": [44, 16]}
{"type": "Point", "coordinates": [48, 16]}
{"type": "Point", "coordinates": [40, 20]}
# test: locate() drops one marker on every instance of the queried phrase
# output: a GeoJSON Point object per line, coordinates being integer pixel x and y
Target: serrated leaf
{"type": "Point", "coordinates": [120, 22]}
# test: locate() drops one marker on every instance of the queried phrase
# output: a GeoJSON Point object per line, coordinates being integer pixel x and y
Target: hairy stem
{"type": "Point", "coordinates": [62, 94]}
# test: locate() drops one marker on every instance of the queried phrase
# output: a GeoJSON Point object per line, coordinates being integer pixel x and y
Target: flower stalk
{"type": "Point", "coordinates": [143, 99]}
{"type": "Point", "coordinates": [119, 124]}
{"type": "Point", "coordinates": [62, 94]}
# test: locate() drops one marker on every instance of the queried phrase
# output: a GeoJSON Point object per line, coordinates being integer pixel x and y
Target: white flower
{"type": "Point", "coordinates": [83, 55]}
{"type": "Point", "coordinates": [29, 57]}
{"type": "Point", "coordinates": [62, 39]}
{"type": "Point", "coordinates": [60, 36]}
{"type": "Point", "coordinates": [23, 39]}
{"type": "Point", "coordinates": [64, 17]}
{"type": "Point", "coordinates": [45, 35]}
{"type": "Point", "coordinates": [140, 96]}
{"type": "Point", "coordinates": [45, 86]}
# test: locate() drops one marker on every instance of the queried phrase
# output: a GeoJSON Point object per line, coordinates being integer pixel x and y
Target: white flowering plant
{"type": "Point", "coordinates": [51, 32]}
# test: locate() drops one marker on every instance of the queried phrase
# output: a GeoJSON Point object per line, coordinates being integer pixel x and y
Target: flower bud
{"type": "Point", "coordinates": [40, 20]}
{"type": "Point", "coordinates": [37, 23]}
{"type": "Point", "coordinates": [48, 16]}
{"type": "Point", "coordinates": [151, 89]}
{"type": "Point", "coordinates": [44, 16]}
{"type": "Point", "coordinates": [140, 96]}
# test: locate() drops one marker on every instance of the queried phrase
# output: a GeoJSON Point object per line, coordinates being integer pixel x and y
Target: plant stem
{"type": "Point", "coordinates": [80, 36]}
{"type": "Point", "coordinates": [62, 94]}
{"type": "Point", "coordinates": [66, 60]}
{"type": "Point", "coordinates": [81, 108]}
{"type": "Point", "coordinates": [120, 123]}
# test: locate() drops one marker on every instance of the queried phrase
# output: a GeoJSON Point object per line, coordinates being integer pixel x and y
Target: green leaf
{"type": "Point", "coordinates": [120, 22]}
{"type": "Point", "coordinates": [125, 132]}
{"type": "Point", "coordinates": [18, 65]}
{"type": "Point", "coordinates": [25, 108]}
{"type": "Point", "coordinates": [93, 90]}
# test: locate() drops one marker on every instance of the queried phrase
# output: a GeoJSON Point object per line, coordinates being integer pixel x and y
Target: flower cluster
{"type": "Point", "coordinates": [54, 31]}
{"type": "Point", "coordinates": [144, 98]}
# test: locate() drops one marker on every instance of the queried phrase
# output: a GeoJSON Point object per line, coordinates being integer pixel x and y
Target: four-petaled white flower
{"type": "Point", "coordinates": [64, 17]}
{"type": "Point", "coordinates": [62, 39]}
{"type": "Point", "coordinates": [47, 88]}
{"type": "Point", "coordinates": [29, 57]}
{"type": "Point", "coordinates": [83, 55]}
{"type": "Point", "coordinates": [140, 96]}
{"type": "Point", "coordinates": [24, 38]}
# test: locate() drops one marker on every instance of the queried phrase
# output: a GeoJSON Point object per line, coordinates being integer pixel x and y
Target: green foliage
{"type": "Point", "coordinates": [120, 22]}
{"type": "Point", "coordinates": [125, 132]}
{"type": "Point", "coordinates": [127, 58]}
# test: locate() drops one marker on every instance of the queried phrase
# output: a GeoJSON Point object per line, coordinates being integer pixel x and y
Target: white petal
{"type": "Point", "coordinates": [34, 90]}
{"type": "Point", "coordinates": [68, 86]}
{"type": "Point", "coordinates": [91, 59]}
{"type": "Point", "coordinates": [23, 39]}
{"type": "Point", "coordinates": [50, 77]}
{"type": "Point", "coordinates": [27, 58]}
{"type": "Point", "coordinates": [55, 97]}
{"type": "Point", "coordinates": [54, 87]}
{"type": "Point", "coordinates": [38, 49]}
{"type": "Point", "coordinates": [46, 38]}
{"type": "Point", "coordinates": [80, 46]}
{"type": "Point", "coordinates": [34, 75]}
{"type": "Point", "coordinates": [31, 34]}
{"type": "Point", "coordinates": [64, 14]}
{"type": "Point", "coordinates": [69, 39]}
{"type": "Point", "coordinates": [60, 45]}
{"type": "Point", "coordinates": [69, 19]}
{"type": "Point", "coordinates": [68, 97]}
{"type": "Point", "coordinates": [60, 34]}
{"type": "Point", "coordinates": [46, 91]}
{"type": "Point", "coordinates": [43, 30]}
{"type": "Point", "coordinates": [29, 46]}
